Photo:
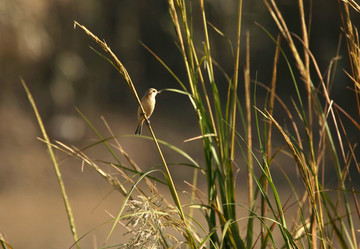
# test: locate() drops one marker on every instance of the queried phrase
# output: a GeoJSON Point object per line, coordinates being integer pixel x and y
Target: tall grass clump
{"type": "Point", "coordinates": [325, 216]}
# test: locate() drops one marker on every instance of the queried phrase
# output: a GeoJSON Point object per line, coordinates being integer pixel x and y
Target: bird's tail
{"type": "Point", "coordinates": [138, 130]}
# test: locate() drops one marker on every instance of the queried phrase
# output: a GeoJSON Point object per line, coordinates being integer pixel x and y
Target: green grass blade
{"type": "Point", "coordinates": [99, 136]}
{"type": "Point", "coordinates": [164, 65]}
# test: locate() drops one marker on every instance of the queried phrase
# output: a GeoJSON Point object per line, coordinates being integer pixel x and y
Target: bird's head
{"type": "Point", "coordinates": [152, 92]}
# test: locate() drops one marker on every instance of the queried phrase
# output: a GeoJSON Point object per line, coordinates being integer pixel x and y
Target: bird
{"type": "Point", "coordinates": [148, 102]}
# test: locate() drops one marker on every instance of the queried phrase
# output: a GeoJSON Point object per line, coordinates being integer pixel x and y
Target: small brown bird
{"type": "Point", "coordinates": [148, 103]}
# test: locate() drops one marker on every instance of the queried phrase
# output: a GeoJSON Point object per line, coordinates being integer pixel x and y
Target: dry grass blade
{"type": "Point", "coordinates": [357, 84]}
{"type": "Point", "coordinates": [269, 130]}
{"type": "Point", "coordinates": [81, 155]}
{"type": "Point", "coordinates": [272, 96]}
{"type": "Point", "coordinates": [352, 120]}
{"type": "Point", "coordinates": [248, 121]}
{"type": "Point", "coordinates": [279, 20]}
{"type": "Point", "coordinates": [55, 164]}
{"type": "Point", "coordinates": [3, 242]}
{"type": "Point", "coordinates": [291, 146]}
{"type": "Point", "coordinates": [353, 4]}
{"type": "Point", "coordinates": [199, 137]}
{"type": "Point", "coordinates": [290, 116]}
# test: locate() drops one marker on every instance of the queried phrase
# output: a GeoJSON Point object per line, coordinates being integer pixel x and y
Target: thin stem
{"type": "Point", "coordinates": [55, 164]}
{"type": "Point", "coordinates": [248, 121]}
{"type": "Point", "coordinates": [235, 82]}
{"type": "Point", "coordinates": [120, 67]}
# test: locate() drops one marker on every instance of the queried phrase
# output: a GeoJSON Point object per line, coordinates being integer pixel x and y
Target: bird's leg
{"type": "Point", "coordinates": [146, 119]}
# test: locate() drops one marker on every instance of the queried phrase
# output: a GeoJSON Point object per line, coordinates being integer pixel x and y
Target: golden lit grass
{"type": "Point", "coordinates": [320, 219]}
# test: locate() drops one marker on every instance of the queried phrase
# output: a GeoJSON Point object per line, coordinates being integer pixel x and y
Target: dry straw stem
{"type": "Point", "coordinates": [248, 120]}
{"type": "Point", "coordinates": [280, 22]}
{"type": "Point", "coordinates": [269, 131]}
{"type": "Point", "coordinates": [120, 67]}
{"type": "Point", "coordinates": [353, 4]}
{"type": "Point", "coordinates": [55, 163]}
{"type": "Point", "coordinates": [353, 46]}
{"type": "Point", "coordinates": [288, 37]}
{"type": "Point", "coordinates": [81, 155]}
{"type": "Point", "coordinates": [73, 151]}
{"type": "Point", "coordinates": [272, 95]}
{"type": "Point", "coordinates": [307, 80]}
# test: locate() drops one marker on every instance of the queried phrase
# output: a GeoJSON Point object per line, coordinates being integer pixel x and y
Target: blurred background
{"type": "Point", "coordinates": [38, 43]}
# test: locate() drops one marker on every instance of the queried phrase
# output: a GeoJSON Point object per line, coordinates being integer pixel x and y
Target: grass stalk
{"type": "Point", "coordinates": [353, 48]}
{"type": "Point", "coordinates": [269, 132]}
{"type": "Point", "coordinates": [248, 121]}
{"type": "Point", "coordinates": [120, 67]}
{"type": "Point", "coordinates": [249, 156]}
{"type": "Point", "coordinates": [230, 170]}
{"type": "Point", "coordinates": [235, 81]}
{"type": "Point", "coordinates": [307, 80]}
{"type": "Point", "coordinates": [55, 164]}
